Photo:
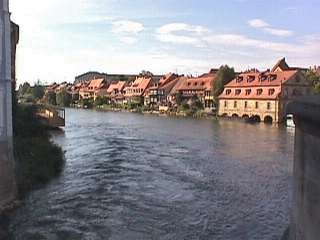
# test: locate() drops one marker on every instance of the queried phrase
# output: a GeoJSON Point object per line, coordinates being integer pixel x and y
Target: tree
{"type": "Point", "coordinates": [63, 98]}
{"type": "Point", "coordinates": [100, 101]}
{"type": "Point", "coordinates": [145, 73]}
{"type": "Point", "coordinates": [51, 98]}
{"type": "Point", "coordinates": [314, 79]}
{"type": "Point", "coordinates": [38, 91]}
{"type": "Point", "coordinates": [224, 76]}
{"type": "Point", "coordinates": [179, 98]}
{"type": "Point", "coordinates": [24, 88]}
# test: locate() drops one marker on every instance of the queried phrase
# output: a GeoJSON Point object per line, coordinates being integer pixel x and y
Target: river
{"type": "Point", "coordinates": [131, 176]}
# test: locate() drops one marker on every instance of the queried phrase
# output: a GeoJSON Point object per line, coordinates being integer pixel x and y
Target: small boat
{"type": "Point", "coordinates": [289, 121]}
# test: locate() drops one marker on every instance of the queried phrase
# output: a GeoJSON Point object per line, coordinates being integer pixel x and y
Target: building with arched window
{"type": "Point", "coordinates": [263, 94]}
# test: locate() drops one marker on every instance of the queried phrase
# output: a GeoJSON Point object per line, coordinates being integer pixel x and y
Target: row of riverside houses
{"type": "Point", "coordinates": [252, 94]}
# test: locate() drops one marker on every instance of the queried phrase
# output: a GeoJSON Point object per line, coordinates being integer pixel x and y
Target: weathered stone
{"type": "Point", "coordinates": [305, 220]}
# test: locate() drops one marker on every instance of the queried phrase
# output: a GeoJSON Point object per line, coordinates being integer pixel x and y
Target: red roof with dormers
{"type": "Point", "coordinates": [199, 83]}
{"type": "Point", "coordinates": [138, 87]}
{"type": "Point", "coordinates": [252, 79]}
{"type": "Point", "coordinates": [117, 86]}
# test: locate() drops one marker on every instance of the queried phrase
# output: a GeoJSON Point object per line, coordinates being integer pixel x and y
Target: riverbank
{"type": "Point", "coordinates": [37, 158]}
{"type": "Point", "coordinates": [194, 113]}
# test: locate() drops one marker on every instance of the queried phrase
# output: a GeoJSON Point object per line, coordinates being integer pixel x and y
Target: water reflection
{"type": "Point", "coordinates": [130, 176]}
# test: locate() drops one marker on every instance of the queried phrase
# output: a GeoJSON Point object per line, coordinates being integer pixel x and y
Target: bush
{"type": "Point", "coordinates": [37, 159]}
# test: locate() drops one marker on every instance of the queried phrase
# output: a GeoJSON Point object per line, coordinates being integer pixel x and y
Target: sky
{"type": "Point", "coordinates": [60, 39]}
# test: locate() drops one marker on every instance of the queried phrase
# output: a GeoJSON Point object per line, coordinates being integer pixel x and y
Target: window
{"type": "Point", "coordinates": [251, 78]}
{"type": "Point", "coordinates": [245, 104]}
{"type": "Point", "coordinates": [257, 104]}
{"type": "Point", "coordinates": [189, 84]}
{"type": "Point", "coordinates": [238, 91]}
{"type": "Point", "coordinates": [268, 105]}
{"type": "Point", "coordinates": [273, 77]}
{"type": "Point", "coordinates": [259, 91]}
{"type": "Point", "coordinates": [271, 91]}
{"type": "Point", "coordinates": [235, 104]}
{"type": "Point", "coordinates": [239, 79]}
{"type": "Point", "coordinates": [263, 78]}
{"type": "Point", "coordinates": [202, 83]}
{"type": "Point", "coordinates": [195, 83]}
{"type": "Point", "coordinates": [225, 103]}
{"type": "Point", "coordinates": [248, 91]}
{"type": "Point", "coordinates": [228, 91]}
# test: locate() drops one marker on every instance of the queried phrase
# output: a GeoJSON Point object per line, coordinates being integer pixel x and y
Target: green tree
{"type": "Point", "coordinates": [63, 98]}
{"type": "Point", "coordinates": [51, 98]}
{"type": "Point", "coordinates": [145, 73]}
{"type": "Point", "coordinates": [179, 98]}
{"type": "Point", "coordinates": [314, 79]}
{"type": "Point", "coordinates": [100, 101]}
{"type": "Point", "coordinates": [224, 76]}
{"type": "Point", "coordinates": [24, 88]}
{"type": "Point", "coordinates": [38, 91]}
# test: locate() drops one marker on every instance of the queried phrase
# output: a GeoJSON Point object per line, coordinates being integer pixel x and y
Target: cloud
{"type": "Point", "coordinates": [259, 23]}
{"type": "Point", "coordinates": [127, 27]}
{"type": "Point", "coordinates": [181, 33]}
{"type": "Point", "coordinates": [128, 40]}
{"type": "Point", "coordinates": [279, 32]}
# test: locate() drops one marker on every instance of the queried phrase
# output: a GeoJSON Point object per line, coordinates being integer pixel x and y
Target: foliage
{"type": "Point", "coordinates": [50, 98]}
{"type": "Point", "coordinates": [63, 98]}
{"type": "Point", "coordinates": [145, 73]}
{"type": "Point", "coordinates": [38, 91]}
{"type": "Point", "coordinates": [184, 106]}
{"type": "Point", "coordinates": [179, 98]}
{"type": "Point", "coordinates": [314, 79]}
{"type": "Point", "coordinates": [37, 159]}
{"type": "Point", "coordinates": [224, 76]}
{"type": "Point", "coordinates": [100, 101]}
{"type": "Point", "coordinates": [87, 103]}
{"type": "Point", "coordinates": [24, 88]}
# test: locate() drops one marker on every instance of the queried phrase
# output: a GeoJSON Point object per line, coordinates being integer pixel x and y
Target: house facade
{"type": "Point", "coordinates": [158, 91]}
{"type": "Point", "coordinates": [263, 96]}
{"type": "Point", "coordinates": [116, 92]}
{"type": "Point", "coordinates": [200, 87]}
{"type": "Point", "coordinates": [92, 89]}
{"type": "Point", "coordinates": [135, 90]}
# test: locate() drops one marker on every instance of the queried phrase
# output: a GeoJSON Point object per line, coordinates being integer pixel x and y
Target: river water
{"type": "Point", "coordinates": [130, 176]}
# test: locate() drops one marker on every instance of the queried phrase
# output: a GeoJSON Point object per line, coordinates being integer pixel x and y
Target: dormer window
{"type": "Point", "coordinates": [263, 78]}
{"type": "Point", "coordinates": [271, 91]}
{"type": "Point", "coordinates": [239, 79]}
{"type": "Point", "coordinates": [202, 83]}
{"type": "Point", "coordinates": [189, 84]}
{"type": "Point", "coordinates": [195, 83]}
{"type": "Point", "coordinates": [251, 78]}
{"type": "Point", "coordinates": [273, 77]}
{"type": "Point", "coordinates": [238, 91]}
{"type": "Point", "coordinates": [228, 91]}
{"type": "Point", "coordinates": [248, 92]}
{"type": "Point", "coordinates": [259, 91]}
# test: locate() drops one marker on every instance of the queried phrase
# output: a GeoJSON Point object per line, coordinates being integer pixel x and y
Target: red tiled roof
{"type": "Point", "coordinates": [201, 83]}
{"type": "Point", "coordinates": [116, 86]}
{"type": "Point", "coordinates": [252, 79]}
{"type": "Point", "coordinates": [282, 64]}
{"type": "Point", "coordinates": [141, 83]}
{"type": "Point", "coordinates": [96, 83]}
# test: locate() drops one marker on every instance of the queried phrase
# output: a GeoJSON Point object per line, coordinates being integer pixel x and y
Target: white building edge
{"type": "Point", "coordinates": [7, 176]}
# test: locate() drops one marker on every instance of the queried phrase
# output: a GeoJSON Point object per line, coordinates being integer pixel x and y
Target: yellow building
{"type": "Point", "coordinates": [262, 96]}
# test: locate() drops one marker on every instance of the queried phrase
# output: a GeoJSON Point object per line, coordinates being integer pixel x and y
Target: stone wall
{"type": "Point", "coordinates": [305, 221]}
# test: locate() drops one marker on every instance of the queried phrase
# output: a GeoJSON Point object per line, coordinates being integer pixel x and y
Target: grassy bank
{"type": "Point", "coordinates": [37, 158]}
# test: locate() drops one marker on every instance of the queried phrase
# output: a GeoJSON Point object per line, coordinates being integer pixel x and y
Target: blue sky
{"type": "Point", "coordinates": [61, 39]}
